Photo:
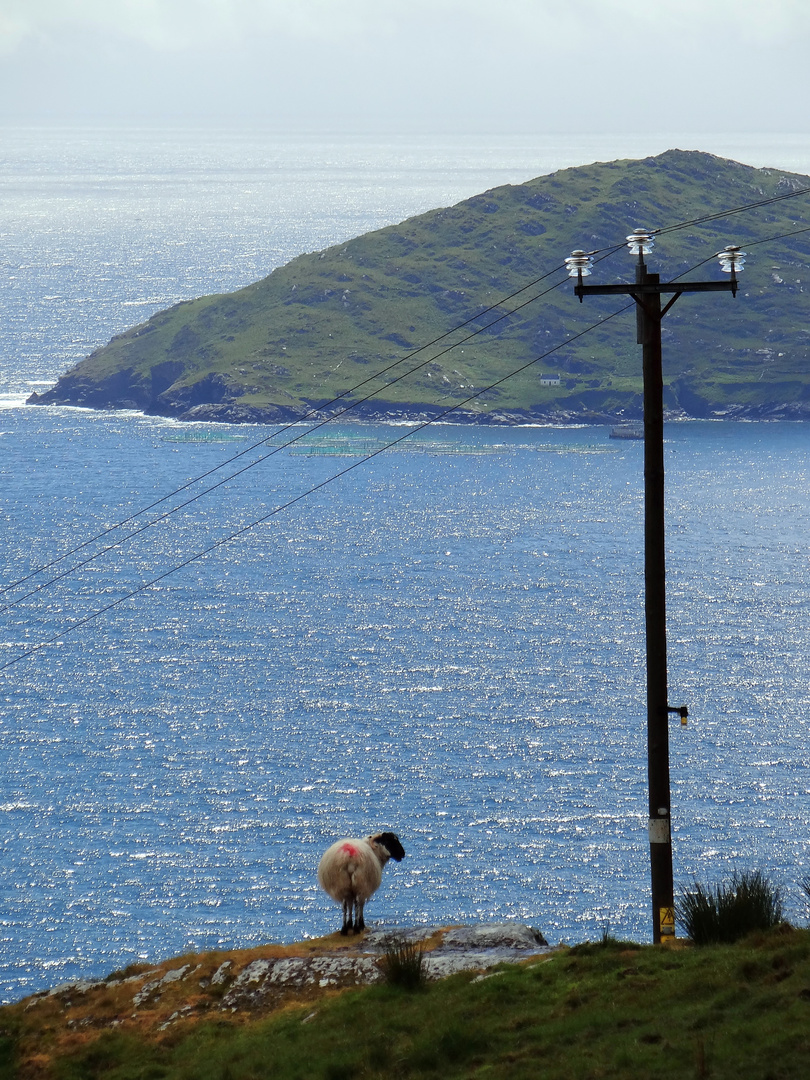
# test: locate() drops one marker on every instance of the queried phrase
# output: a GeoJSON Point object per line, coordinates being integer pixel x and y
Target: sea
{"type": "Point", "coordinates": [437, 632]}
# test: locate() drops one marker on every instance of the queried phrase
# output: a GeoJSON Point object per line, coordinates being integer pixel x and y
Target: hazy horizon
{"type": "Point", "coordinates": [458, 66]}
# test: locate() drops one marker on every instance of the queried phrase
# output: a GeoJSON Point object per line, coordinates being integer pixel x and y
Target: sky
{"type": "Point", "coordinates": [433, 66]}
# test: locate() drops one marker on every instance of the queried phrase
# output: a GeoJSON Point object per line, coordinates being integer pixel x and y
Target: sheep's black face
{"type": "Point", "coordinates": [390, 841]}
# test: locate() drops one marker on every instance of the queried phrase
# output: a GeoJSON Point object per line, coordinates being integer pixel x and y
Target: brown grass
{"type": "Point", "coordinates": [52, 1027]}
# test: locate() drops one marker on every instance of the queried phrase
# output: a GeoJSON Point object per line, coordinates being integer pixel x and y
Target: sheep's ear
{"type": "Point", "coordinates": [390, 841]}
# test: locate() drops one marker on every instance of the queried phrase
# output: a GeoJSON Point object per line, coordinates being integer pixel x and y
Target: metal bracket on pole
{"type": "Point", "coordinates": [681, 710]}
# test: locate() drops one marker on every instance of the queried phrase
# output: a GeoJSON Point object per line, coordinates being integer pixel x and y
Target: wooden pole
{"type": "Point", "coordinates": [648, 308]}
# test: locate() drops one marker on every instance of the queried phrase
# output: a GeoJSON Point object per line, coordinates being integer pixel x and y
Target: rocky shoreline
{"type": "Point", "coordinates": [386, 412]}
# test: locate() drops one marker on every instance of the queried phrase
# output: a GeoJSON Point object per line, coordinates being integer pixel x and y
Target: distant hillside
{"type": "Point", "coordinates": [328, 321]}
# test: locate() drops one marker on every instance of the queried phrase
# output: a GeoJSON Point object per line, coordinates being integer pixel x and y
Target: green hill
{"type": "Point", "coordinates": [328, 321]}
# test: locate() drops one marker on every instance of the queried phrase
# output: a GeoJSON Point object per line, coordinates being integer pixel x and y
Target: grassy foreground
{"type": "Point", "coordinates": [605, 1010]}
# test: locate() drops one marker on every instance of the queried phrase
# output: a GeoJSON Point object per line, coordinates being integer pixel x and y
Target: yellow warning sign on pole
{"type": "Point", "coordinates": [666, 921]}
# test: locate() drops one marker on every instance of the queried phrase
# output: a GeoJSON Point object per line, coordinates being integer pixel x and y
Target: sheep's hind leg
{"type": "Point", "coordinates": [347, 917]}
{"type": "Point", "coordinates": [359, 921]}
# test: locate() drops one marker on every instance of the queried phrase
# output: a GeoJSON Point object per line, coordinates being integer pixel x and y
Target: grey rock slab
{"type": "Point", "coordinates": [145, 991]}
{"type": "Point", "coordinates": [221, 974]}
{"type": "Point", "coordinates": [175, 974]}
{"type": "Point", "coordinates": [79, 987]}
{"type": "Point", "coordinates": [495, 936]}
{"type": "Point", "coordinates": [465, 948]}
{"type": "Point", "coordinates": [512, 936]}
{"type": "Point", "coordinates": [262, 977]}
{"type": "Point", "coordinates": [438, 965]}
{"type": "Point", "coordinates": [468, 948]}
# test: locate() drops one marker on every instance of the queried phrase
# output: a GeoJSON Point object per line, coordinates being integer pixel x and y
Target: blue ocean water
{"type": "Point", "coordinates": [446, 641]}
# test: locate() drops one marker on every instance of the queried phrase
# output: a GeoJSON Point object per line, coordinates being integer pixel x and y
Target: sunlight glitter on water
{"type": "Point", "coordinates": [193, 752]}
{"type": "Point", "coordinates": [449, 644]}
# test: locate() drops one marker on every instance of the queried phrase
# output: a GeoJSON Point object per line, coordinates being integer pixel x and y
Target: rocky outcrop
{"type": "Point", "coordinates": [264, 979]}
{"type": "Point", "coordinates": [447, 951]}
{"type": "Point", "coordinates": [214, 397]}
{"type": "Point", "coordinates": [125, 389]}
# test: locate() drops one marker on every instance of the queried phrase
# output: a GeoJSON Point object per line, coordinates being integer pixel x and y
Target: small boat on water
{"type": "Point", "coordinates": [627, 431]}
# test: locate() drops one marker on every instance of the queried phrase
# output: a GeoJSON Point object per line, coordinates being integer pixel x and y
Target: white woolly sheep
{"type": "Point", "coordinates": [351, 870]}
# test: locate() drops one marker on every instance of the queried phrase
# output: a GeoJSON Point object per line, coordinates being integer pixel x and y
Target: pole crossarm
{"type": "Point", "coordinates": [677, 287]}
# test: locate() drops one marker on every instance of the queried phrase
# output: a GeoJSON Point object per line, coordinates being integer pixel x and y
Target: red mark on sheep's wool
{"type": "Point", "coordinates": [350, 850]}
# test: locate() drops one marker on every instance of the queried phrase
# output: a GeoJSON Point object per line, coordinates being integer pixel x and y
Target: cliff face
{"type": "Point", "coordinates": [328, 322]}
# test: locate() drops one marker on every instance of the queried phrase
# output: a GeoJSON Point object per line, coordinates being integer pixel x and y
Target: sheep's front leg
{"type": "Point", "coordinates": [359, 921]}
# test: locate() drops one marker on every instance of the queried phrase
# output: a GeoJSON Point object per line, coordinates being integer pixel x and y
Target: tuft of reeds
{"type": "Point", "coordinates": [607, 940]}
{"type": "Point", "coordinates": [403, 963]}
{"type": "Point", "coordinates": [725, 913]}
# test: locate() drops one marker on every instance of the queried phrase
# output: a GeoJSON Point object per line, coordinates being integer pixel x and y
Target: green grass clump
{"type": "Point", "coordinates": [403, 963]}
{"type": "Point", "coordinates": [805, 886]}
{"type": "Point", "coordinates": [728, 912]}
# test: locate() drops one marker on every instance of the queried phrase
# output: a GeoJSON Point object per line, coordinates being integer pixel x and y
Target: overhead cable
{"type": "Point", "coordinates": [280, 431]}
{"type": "Point", "coordinates": [310, 491]}
{"type": "Point", "coordinates": [603, 252]}
{"type": "Point", "coordinates": [275, 450]}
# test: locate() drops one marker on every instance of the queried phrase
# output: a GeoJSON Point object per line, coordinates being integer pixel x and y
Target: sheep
{"type": "Point", "coordinates": [351, 870]}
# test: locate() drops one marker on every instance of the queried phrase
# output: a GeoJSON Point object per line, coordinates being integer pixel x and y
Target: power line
{"type": "Point", "coordinates": [748, 243]}
{"type": "Point", "coordinates": [350, 468]}
{"type": "Point", "coordinates": [250, 465]}
{"type": "Point", "coordinates": [728, 213]}
{"type": "Point", "coordinates": [781, 236]}
{"type": "Point", "coordinates": [312, 412]}
{"type": "Point", "coordinates": [604, 252]}
{"type": "Point", "coordinates": [310, 491]}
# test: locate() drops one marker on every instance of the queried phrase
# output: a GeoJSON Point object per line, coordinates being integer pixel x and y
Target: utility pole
{"type": "Point", "coordinates": [647, 291]}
